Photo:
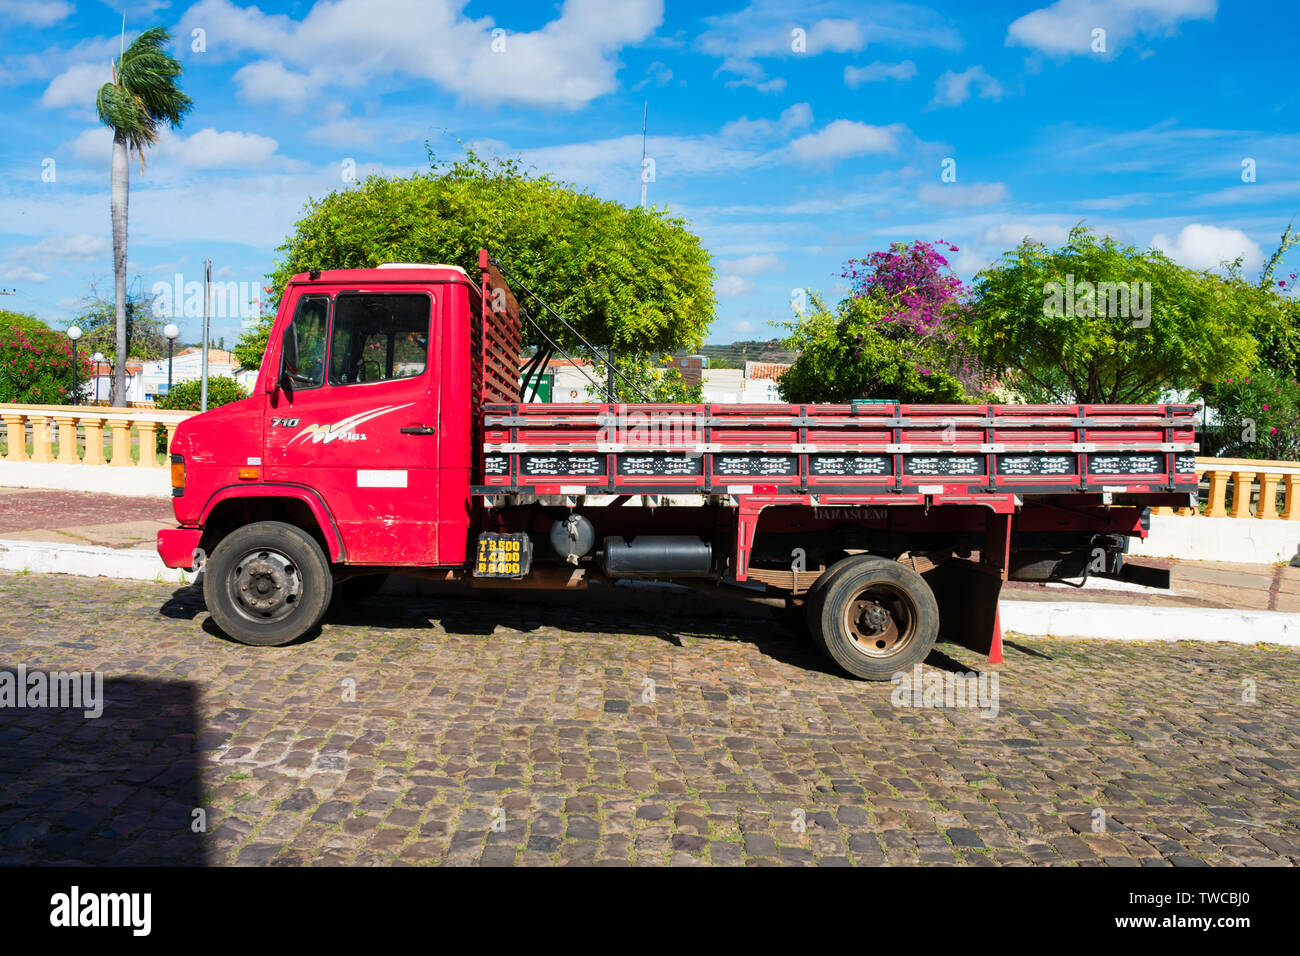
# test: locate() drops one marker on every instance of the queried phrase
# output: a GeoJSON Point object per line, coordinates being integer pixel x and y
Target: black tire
{"type": "Point", "coordinates": [352, 591]}
{"type": "Point", "coordinates": [267, 584]}
{"type": "Point", "coordinates": [874, 617]}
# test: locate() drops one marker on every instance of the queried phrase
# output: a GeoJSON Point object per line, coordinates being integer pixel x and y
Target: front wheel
{"type": "Point", "coordinates": [874, 617]}
{"type": "Point", "coordinates": [267, 584]}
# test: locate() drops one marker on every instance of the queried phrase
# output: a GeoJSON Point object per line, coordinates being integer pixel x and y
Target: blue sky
{"type": "Point", "coordinates": [793, 135]}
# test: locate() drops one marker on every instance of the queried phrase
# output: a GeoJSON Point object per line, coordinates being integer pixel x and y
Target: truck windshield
{"type": "Point", "coordinates": [379, 336]}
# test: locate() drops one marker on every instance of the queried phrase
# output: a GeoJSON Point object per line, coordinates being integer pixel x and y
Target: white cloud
{"type": "Point", "coordinates": [1199, 246]}
{"type": "Point", "coordinates": [1066, 27]}
{"type": "Point", "coordinates": [206, 149]}
{"type": "Point", "coordinates": [764, 28]}
{"type": "Point", "coordinates": [731, 286]}
{"type": "Point", "coordinates": [267, 81]}
{"type": "Point", "coordinates": [1011, 234]}
{"type": "Point", "coordinates": [21, 274]}
{"type": "Point", "coordinates": [963, 194]}
{"type": "Point", "coordinates": [37, 13]}
{"type": "Point", "coordinates": [758, 264]}
{"type": "Point", "coordinates": [855, 76]}
{"type": "Point", "coordinates": [210, 149]}
{"type": "Point", "coordinates": [953, 89]}
{"type": "Point", "coordinates": [74, 248]}
{"type": "Point", "coordinates": [798, 116]}
{"type": "Point", "coordinates": [844, 138]}
{"type": "Point", "coordinates": [749, 73]}
{"type": "Point", "coordinates": [657, 73]}
{"type": "Point", "coordinates": [76, 86]}
{"type": "Point", "coordinates": [566, 63]}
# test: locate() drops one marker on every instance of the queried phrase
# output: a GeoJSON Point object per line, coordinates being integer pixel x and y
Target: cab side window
{"type": "Point", "coordinates": [311, 320]}
{"type": "Point", "coordinates": [378, 337]}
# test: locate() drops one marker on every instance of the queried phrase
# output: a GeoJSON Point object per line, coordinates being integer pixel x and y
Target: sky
{"type": "Point", "coordinates": [792, 134]}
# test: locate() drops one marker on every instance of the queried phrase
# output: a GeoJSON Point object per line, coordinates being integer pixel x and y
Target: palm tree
{"type": "Point", "coordinates": [142, 96]}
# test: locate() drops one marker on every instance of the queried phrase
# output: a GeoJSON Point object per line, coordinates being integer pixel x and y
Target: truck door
{"type": "Point", "coordinates": [360, 422]}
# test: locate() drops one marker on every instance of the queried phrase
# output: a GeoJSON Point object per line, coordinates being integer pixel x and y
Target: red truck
{"type": "Point", "coordinates": [388, 432]}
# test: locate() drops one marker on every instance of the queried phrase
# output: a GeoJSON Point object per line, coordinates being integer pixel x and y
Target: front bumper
{"type": "Point", "coordinates": [179, 547]}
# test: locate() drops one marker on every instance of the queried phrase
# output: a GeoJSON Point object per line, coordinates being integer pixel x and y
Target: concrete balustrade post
{"type": "Point", "coordinates": [121, 442]}
{"type": "Point", "coordinates": [148, 432]}
{"type": "Point", "coordinates": [41, 440]}
{"type": "Point", "coordinates": [67, 440]}
{"type": "Point", "coordinates": [1268, 495]}
{"type": "Point", "coordinates": [1291, 510]}
{"type": "Point", "coordinates": [1218, 493]}
{"type": "Point", "coordinates": [171, 434]}
{"type": "Point", "coordinates": [1242, 483]}
{"type": "Point", "coordinates": [94, 441]}
{"type": "Point", "coordinates": [16, 437]}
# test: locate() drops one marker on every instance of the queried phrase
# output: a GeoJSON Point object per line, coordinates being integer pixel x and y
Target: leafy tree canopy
{"type": "Point", "coordinates": [631, 279]}
{"type": "Point", "coordinates": [1043, 318]}
{"type": "Point", "coordinates": [844, 355]}
{"type": "Point", "coordinates": [98, 322]}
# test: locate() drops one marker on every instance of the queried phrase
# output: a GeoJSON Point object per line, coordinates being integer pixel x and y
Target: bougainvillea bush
{"type": "Point", "coordinates": [36, 362]}
{"type": "Point", "coordinates": [925, 302]}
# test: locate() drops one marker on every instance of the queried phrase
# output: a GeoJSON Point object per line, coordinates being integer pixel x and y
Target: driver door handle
{"type": "Point", "coordinates": [419, 430]}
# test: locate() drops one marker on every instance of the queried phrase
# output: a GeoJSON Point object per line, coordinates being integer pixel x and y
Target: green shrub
{"type": "Point", "coordinates": [187, 396]}
{"type": "Point", "coordinates": [36, 362]}
{"type": "Point", "coordinates": [1259, 417]}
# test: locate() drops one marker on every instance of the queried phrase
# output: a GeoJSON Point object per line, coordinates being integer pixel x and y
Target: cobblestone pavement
{"type": "Point", "coordinates": [502, 732]}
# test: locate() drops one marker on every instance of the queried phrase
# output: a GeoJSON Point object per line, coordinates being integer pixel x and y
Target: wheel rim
{"type": "Point", "coordinates": [265, 586]}
{"type": "Point", "coordinates": [880, 621]}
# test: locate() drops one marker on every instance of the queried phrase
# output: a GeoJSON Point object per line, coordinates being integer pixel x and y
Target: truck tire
{"type": "Point", "coordinates": [267, 584]}
{"type": "Point", "coordinates": [874, 617]}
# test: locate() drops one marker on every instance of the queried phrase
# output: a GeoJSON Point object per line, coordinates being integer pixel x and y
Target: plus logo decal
{"type": "Point", "coordinates": [344, 430]}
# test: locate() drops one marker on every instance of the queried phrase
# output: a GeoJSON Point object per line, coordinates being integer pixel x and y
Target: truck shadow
{"type": "Point", "coordinates": [118, 789]}
{"type": "Point", "coordinates": [480, 615]}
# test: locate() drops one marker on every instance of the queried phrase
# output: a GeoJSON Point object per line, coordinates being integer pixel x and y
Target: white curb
{"type": "Point", "coordinates": [1140, 622]}
{"type": "Point", "coordinates": [92, 561]}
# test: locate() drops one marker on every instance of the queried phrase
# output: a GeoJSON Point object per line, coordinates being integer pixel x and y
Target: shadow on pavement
{"type": "Point", "coordinates": [119, 789]}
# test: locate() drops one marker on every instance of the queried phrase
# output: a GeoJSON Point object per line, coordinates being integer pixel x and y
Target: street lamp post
{"type": "Point", "coordinates": [98, 359]}
{"type": "Point", "coordinates": [74, 333]}
{"type": "Point", "coordinates": [171, 331]}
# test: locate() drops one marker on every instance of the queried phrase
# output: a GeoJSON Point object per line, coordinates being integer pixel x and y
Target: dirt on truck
{"type": "Point", "coordinates": [389, 432]}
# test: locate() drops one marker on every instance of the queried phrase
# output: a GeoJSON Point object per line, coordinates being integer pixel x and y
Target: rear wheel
{"type": "Point", "coordinates": [874, 617]}
{"type": "Point", "coordinates": [267, 584]}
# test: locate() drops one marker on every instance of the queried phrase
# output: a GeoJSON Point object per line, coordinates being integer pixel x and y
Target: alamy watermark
{"type": "Point", "coordinates": [1114, 300]}
{"type": "Point", "coordinates": [75, 690]}
{"type": "Point", "coordinates": [179, 299]}
{"type": "Point", "coordinates": [931, 688]}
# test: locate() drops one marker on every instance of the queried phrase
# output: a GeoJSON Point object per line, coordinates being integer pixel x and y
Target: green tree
{"type": "Point", "coordinates": [36, 362]}
{"type": "Point", "coordinates": [640, 379]}
{"type": "Point", "coordinates": [98, 322]}
{"type": "Point", "coordinates": [251, 344]}
{"type": "Point", "coordinates": [141, 97]}
{"type": "Point", "coordinates": [1100, 322]}
{"type": "Point", "coordinates": [844, 355]}
{"type": "Point", "coordinates": [1279, 334]}
{"type": "Point", "coordinates": [631, 280]}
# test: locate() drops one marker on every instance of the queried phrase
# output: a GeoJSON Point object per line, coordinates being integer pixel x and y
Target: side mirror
{"type": "Point", "coordinates": [288, 358]}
